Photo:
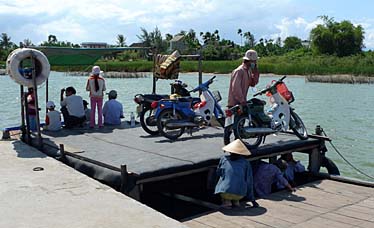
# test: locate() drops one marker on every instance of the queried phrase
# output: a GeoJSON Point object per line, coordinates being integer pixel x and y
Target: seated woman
{"type": "Point", "coordinates": [266, 175]}
{"type": "Point", "coordinates": [292, 168]}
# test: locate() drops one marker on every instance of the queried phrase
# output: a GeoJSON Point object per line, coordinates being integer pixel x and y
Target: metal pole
{"type": "Point", "coordinates": [23, 127]}
{"type": "Point", "coordinates": [39, 135]}
{"type": "Point", "coordinates": [200, 70]}
{"type": "Point", "coordinates": [124, 178]}
{"type": "Point", "coordinates": [62, 152]}
{"type": "Point", "coordinates": [46, 95]}
{"type": "Point", "coordinates": [154, 70]}
{"type": "Point", "coordinates": [28, 137]}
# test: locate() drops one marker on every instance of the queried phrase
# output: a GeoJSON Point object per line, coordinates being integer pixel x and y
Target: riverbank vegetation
{"type": "Point", "coordinates": [299, 62]}
{"type": "Point", "coordinates": [334, 48]}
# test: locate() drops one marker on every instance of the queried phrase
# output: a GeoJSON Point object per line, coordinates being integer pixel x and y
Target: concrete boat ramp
{"type": "Point", "coordinates": [39, 191]}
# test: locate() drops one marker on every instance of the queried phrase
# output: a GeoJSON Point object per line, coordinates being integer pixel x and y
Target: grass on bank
{"type": "Point", "coordinates": [294, 63]}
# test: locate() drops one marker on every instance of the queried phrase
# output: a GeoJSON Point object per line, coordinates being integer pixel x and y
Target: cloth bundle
{"type": "Point", "coordinates": [167, 66]}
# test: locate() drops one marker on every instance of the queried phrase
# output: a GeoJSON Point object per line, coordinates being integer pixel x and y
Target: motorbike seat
{"type": "Point", "coordinates": [256, 101]}
{"type": "Point", "coordinates": [184, 99]}
{"type": "Point", "coordinates": [153, 97]}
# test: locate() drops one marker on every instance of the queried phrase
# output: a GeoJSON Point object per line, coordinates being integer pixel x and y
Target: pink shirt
{"type": "Point", "coordinates": [241, 79]}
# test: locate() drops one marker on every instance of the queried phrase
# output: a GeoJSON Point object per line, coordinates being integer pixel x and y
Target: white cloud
{"type": "Point", "coordinates": [101, 20]}
{"type": "Point", "coordinates": [65, 29]}
{"type": "Point", "coordinates": [369, 32]}
{"type": "Point", "coordinates": [299, 27]}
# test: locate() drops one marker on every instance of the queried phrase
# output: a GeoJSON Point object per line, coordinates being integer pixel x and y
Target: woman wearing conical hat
{"type": "Point", "coordinates": [235, 175]}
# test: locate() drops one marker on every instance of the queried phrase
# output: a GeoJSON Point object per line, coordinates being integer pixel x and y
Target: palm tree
{"type": "Point", "coordinates": [207, 37]}
{"type": "Point", "coordinates": [240, 32]}
{"type": "Point", "coordinates": [192, 40]}
{"type": "Point", "coordinates": [168, 36]}
{"type": "Point", "coordinates": [27, 42]}
{"type": "Point", "coordinates": [5, 42]}
{"type": "Point", "coordinates": [121, 40]}
{"type": "Point", "coordinates": [52, 39]}
{"type": "Point", "coordinates": [145, 38]}
{"type": "Point", "coordinates": [215, 35]}
{"type": "Point", "coordinates": [153, 39]}
{"type": "Point", "coordinates": [250, 40]}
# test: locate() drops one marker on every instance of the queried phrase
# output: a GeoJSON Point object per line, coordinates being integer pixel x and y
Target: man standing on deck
{"type": "Point", "coordinates": [243, 77]}
{"type": "Point", "coordinates": [72, 108]}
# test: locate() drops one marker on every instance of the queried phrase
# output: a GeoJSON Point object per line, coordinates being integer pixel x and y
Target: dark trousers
{"type": "Point", "coordinates": [71, 121]}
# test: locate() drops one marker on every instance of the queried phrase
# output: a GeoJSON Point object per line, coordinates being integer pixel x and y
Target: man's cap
{"type": "Point", "coordinates": [250, 55]}
{"type": "Point", "coordinates": [50, 104]}
{"type": "Point", "coordinates": [237, 147]}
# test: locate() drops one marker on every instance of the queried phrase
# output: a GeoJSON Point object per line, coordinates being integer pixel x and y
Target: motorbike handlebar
{"type": "Point", "coordinates": [273, 85]}
{"type": "Point", "coordinates": [210, 81]}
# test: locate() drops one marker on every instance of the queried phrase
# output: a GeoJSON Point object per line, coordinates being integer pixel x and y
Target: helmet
{"type": "Point", "coordinates": [179, 83]}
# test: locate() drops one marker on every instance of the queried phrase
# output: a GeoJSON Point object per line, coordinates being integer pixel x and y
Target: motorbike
{"type": "Point", "coordinates": [146, 112]}
{"type": "Point", "coordinates": [252, 124]}
{"type": "Point", "coordinates": [174, 116]}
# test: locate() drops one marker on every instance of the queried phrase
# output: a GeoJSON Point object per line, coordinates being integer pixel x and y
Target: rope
{"type": "Point", "coordinates": [346, 160]}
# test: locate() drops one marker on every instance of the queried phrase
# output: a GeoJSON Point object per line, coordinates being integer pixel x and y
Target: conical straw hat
{"type": "Point", "coordinates": [237, 147]}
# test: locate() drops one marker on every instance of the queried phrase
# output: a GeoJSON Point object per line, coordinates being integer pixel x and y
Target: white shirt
{"type": "Point", "coordinates": [54, 121]}
{"type": "Point", "coordinates": [74, 104]}
{"type": "Point", "coordinates": [91, 86]}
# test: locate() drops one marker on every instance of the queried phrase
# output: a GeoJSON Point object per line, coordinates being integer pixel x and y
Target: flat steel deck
{"type": "Point", "coordinates": [147, 156]}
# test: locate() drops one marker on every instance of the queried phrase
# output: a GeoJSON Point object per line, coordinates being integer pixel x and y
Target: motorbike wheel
{"type": "Point", "coordinates": [298, 126]}
{"type": "Point", "coordinates": [221, 121]}
{"type": "Point", "coordinates": [228, 136]}
{"type": "Point", "coordinates": [149, 126]}
{"type": "Point", "coordinates": [251, 140]}
{"type": "Point", "coordinates": [164, 116]}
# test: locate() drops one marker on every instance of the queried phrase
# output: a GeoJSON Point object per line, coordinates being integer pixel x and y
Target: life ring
{"type": "Point", "coordinates": [23, 75]}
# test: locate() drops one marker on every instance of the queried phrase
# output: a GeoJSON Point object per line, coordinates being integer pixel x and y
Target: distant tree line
{"type": "Point", "coordinates": [330, 38]}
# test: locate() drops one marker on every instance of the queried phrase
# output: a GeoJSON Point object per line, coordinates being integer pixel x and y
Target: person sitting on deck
{"type": "Point", "coordinates": [113, 110]}
{"type": "Point", "coordinates": [53, 118]}
{"type": "Point", "coordinates": [292, 168]}
{"type": "Point", "coordinates": [235, 176]}
{"type": "Point", "coordinates": [72, 108]}
{"type": "Point", "coordinates": [265, 176]}
{"type": "Point", "coordinates": [87, 111]}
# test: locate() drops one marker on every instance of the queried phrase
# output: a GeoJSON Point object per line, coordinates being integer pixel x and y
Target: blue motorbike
{"type": "Point", "coordinates": [174, 116]}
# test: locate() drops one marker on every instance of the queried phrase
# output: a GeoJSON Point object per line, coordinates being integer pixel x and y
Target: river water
{"type": "Point", "coordinates": [344, 111]}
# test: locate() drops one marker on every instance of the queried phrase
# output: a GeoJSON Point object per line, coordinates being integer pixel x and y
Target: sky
{"type": "Point", "coordinates": [80, 21]}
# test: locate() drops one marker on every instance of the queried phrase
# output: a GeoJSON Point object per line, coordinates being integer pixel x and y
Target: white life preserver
{"type": "Point", "coordinates": [14, 69]}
